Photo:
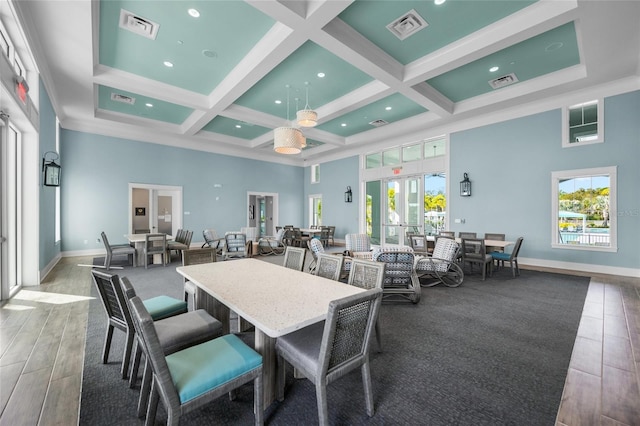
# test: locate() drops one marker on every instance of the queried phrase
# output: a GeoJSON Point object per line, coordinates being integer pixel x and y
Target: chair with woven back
{"type": "Point", "coordinates": [368, 274]}
{"type": "Point", "coordinates": [442, 266]}
{"type": "Point", "coordinates": [400, 280]}
{"type": "Point", "coordinates": [212, 240]}
{"type": "Point", "coordinates": [326, 351]}
{"type": "Point", "coordinates": [294, 258]}
{"type": "Point", "coordinates": [196, 257]}
{"type": "Point", "coordinates": [329, 266]}
{"type": "Point", "coordinates": [316, 248]}
{"type": "Point", "coordinates": [235, 245]}
{"type": "Point", "coordinates": [190, 378]}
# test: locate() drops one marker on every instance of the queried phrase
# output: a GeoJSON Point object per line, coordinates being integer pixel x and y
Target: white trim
{"type": "Point", "coordinates": [565, 124]}
{"type": "Point", "coordinates": [580, 267]}
{"type": "Point", "coordinates": [48, 268]}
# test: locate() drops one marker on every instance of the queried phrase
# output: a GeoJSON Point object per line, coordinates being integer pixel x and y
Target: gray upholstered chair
{"type": "Point", "coordinates": [464, 235]}
{"type": "Point", "coordinates": [195, 257]}
{"type": "Point", "coordinates": [332, 231]}
{"type": "Point", "coordinates": [449, 234]}
{"type": "Point", "coordinates": [117, 250]}
{"type": "Point", "coordinates": [235, 245]}
{"type": "Point", "coordinates": [155, 245]}
{"type": "Point", "coordinates": [325, 351]}
{"type": "Point", "coordinates": [184, 243]}
{"type": "Point", "coordinates": [400, 280]}
{"type": "Point", "coordinates": [495, 237]}
{"type": "Point", "coordinates": [442, 266]}
{"type": "Point", "coordinates": [212, 240]}
{"type": "Point", "coordinates": [419, 244]}
{"type": "Point", "coordinates": [475, 253]}
{"type": "Point", "coordinates": [368, 274]}
{"type": "Point", "coordinates": [512, 257]}
{"type": "Point", "coordinates": [300, 240]}
{"type": "Point", "coordinates": [294, 258]}
{"type": "Point", "coordinates": [329, 266]}
{"type": "Point", "coordinates": [192, 377]}
{"type": "Point", "coordinates": [325, 231]}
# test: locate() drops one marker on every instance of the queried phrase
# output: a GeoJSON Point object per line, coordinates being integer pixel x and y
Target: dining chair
{"type": "Point", "coordinates": [117, 250]}
{"type": "Point", "coordinates": [475, 252]}
{"type": "Point", "coordinates": [316, 248]}
{"type": "Point", "coordinates": [467, 235]}
{"type": "Point", "coordinates": [326, 351]}
{"type": "Point", "coordinates": [332, 231]}
{"type": "Point", "coordinates": [449, 234]}
{"type": "Point", "coordinates": [368, 274]}
{"type": "Point", "coordinates": [300, 240]}
{"type": "Point", "coordinates": [400, 281]}
{"type": "Point", "coordinates": [329, 266]}
{"type": "Point", "coordinates": [496, 237]}
{"type": "Point", "coordinates": [155, 245]}
{"type": "Point", "coordinates": [294, 257]}
{"type": "Point", "coordinates": [195, 257]}
{"type": "Point", "coordinates": [114, 303]}
{"type": "Point", "coordinates": [190, 378]}
{"type": "Point", "coordinates": [179, 245]}
{"type": "Point", "coordinates": [324, 235]}
{"type": "Point", "coordinates": [419, 244]}
{"type": "Point", "coordinates": [175, 333]}
{"type": "Point", "coordinates": [512, 257]}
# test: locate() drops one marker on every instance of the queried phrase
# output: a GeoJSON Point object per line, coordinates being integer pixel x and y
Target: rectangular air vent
{"type": "Point", "coordinates": [407, 25]}
{"type": "Point", "coordinates": [117, 97]}
{"type": "Point", "coordinates": [138, 25]}
{"type": "Point", "coordinates": [503, 81]}
{"type": "Point", "coordinates": [378, 123]}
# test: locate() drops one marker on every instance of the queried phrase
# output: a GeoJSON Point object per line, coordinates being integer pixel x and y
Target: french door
{"type": "Point", "coordinates": [10, 224]}
{"type": "Point", "coordinates": [404, 209]}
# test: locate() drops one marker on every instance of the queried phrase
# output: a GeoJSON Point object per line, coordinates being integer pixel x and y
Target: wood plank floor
{"type": "Point", "coordinates": [42, 337]}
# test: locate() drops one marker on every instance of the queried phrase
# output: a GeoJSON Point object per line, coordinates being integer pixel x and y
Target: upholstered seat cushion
{"type": "Point", "coordinates": [191, 328]}
{"type": "Point", "coordinates": [303, 345]}
{"type": "Point", "coordinates": [164, 306]}
{"type": "Point", "coordinates": [201, 368]}
{"type": "Point", "coordinates": [499, 255]}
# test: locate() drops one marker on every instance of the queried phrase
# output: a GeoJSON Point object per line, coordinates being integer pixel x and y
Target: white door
{"type": "Point", "coordinates": [155, 207]}
{"type": "Point", "coordinates": [10, 184]}
{"type": "Point", "coordinates": [404, 205]}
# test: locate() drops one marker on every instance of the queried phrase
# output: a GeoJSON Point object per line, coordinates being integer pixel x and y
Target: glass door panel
{"type": "Point", "coordinates": [373, 210]}
{"type": "Point", "coordinates": [404, 209]}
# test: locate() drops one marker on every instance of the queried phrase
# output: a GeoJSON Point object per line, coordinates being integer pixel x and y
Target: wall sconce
{"type": "Point", "coordinates": [348, 195]}
{"type": "Point", "coordinates": [465, 186]}
{"type": "Point", "coordinates": [51, 170]}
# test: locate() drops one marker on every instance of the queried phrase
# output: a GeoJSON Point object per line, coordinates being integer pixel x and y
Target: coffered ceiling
{"type": "Point", "coordinates": [216, 75]}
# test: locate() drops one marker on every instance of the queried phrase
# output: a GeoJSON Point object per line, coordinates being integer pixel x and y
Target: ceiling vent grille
{"type": "Point", "coordinates": [138, 25]}
{"type": "Point", "coordinates": [503, 81]}
{"type": "Point", "coordinates": [117, 97]}
{"type": "Point", "coordinates": [378, 123]}
{"type": "Point", "coordinates": [407, 25]}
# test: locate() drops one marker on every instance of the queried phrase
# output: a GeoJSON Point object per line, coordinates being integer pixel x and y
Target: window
{"type": "Point", "coordinates": [315, 173]}
{"type": "Point", "coordinates": [435, 147]}
{"type": "Point", "coordinates": [391, 157]}
{"type": "Point", "coordinates": [4, 43]}
{"type": "Point", "coordinates": [583, 124]}
{"type": "Point", "coordinates": [411, 153]}
{"type": "Point", "coordinates": [373, 161]}
{"type": "Point", "coordinates": [315, 210]}
{"type": "Point", "coordinates": [584, 209]}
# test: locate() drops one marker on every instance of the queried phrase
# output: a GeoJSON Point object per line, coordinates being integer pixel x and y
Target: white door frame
{"type": "Point", "coordinates": [274, 196]}
{"type": "Point", "coordinates": [154, 190]}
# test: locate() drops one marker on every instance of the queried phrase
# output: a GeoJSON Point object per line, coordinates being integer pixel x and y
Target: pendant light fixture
{"type": "Point", "coordinates": [307, 117]}
{"type": "Point", "coordinates": [288, 139]}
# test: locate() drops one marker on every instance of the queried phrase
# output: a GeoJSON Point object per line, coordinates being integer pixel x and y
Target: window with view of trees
{"type": "Point", "coordinates": [584, 209]}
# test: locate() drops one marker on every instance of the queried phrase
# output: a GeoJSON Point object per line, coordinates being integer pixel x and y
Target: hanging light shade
{"type": "Point", "coordinates": [307, 117]}
{"type": "Point", "coordinates": [288, 140]}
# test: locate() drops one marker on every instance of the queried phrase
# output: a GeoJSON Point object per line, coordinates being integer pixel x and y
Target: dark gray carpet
{"type": "Point", "coordinates": [485, 353]}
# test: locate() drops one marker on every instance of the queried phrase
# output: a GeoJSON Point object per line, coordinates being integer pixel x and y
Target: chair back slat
{"type": "Point", "coordinates": [111, 296]}
{"type": "Point", "coordinates": [198, 256]}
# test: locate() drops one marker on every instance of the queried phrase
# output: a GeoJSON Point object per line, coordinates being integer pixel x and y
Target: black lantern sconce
{"type": "Point", "coordinates": [51, 170]}
{"type": "Point", "coordinates": [348, 196]}
{"type": "Point", "coordinates": [465, 186]}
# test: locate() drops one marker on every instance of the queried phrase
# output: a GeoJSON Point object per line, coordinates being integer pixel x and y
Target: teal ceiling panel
{"type": "Point", "coordinates": [390, 109]}
{"type": "Point", "coordinates": [446, 23]}
{"type": "Point", "coordinates": [540, 55]}
{"type": "Point", "coordinates": [203, 50]}
{"type": "Point", "coordinates": [236, 128]}
{"type": "Point", "coordinates": [303, 66]}
{"type": "Point", "coordinates": [141, 106]}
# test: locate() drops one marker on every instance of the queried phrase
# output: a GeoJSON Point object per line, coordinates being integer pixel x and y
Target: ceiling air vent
{"type": "Point", "coordinates": [123, 98]}
{"type": "Point", "coordinates": [378, 123]}
{"type": "Point", "coordinates": [505, 80]}
{"type": "Point", "coordinates": [407, 25]}
{"type": "Point", "coordinates": [138, 25]}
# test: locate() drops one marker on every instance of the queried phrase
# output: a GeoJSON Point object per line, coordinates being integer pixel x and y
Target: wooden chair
{"type": "Point", "coordinates": [512, 257]}
{"type": "Point", "coordinates": [155, 245]}
{"type": "Point", "coordinates": [117, 250]}
{"type": "Point", "coordinates": [474, 252]}
{"type": "Point", "coordinates": [325, 351]}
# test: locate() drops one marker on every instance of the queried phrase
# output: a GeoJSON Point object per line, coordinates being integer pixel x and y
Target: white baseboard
{"type": "Point", "coordinates": [44, 272]}
{"type": "Point", "coordinates": [580, 267]}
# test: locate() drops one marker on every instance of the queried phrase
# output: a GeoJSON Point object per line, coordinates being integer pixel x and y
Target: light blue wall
{"type": "Point", "coordinates": [98, 169]}
{"type": "Point", "coordinates": [48, 247]}
{"type": "Point", "coordinates": [335, 176]}
{"type": "Point", "coordinates": [510, 167]}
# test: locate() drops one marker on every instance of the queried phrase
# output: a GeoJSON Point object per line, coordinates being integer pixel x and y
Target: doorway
{"type": "Point", "coordinates": [154, 208]}
{"type": "Point", "coordinates": [262, 212]}
{"type": "Point", "coordinates": [403, 209]}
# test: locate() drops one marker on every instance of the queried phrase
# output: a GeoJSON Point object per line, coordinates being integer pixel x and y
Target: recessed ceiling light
{"type": "Point", "coordinates": [494, 69]}
{"type": "Point", "coordinates": [238, 126]}
{"type": "Point", "coordinates": [344, 124]}
{"type": "Point", "coordinates": [278, 101]}
{"type": "Point", "coordinates": [388, 108]}
{"type": "Point", "coordinates": [168, 64]}
{"type": "Point", "coordinates": [438, 2]}
{"type": "Point", "coordinates": [554, 46]}
{"type": "Point", "coordinates": [194, 13]}
{"type": "Point", "coordinates": [149, 104]}
{"type": "Point", "coordinates": [321, 75]}
{"type": "Point", "coordinates": [180, 42]}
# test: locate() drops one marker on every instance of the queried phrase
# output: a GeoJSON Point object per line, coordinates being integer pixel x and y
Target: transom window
{"type": "Point", "coordinates": [425, 149]}
{"type": "Point", "coordinates": [582, 124]}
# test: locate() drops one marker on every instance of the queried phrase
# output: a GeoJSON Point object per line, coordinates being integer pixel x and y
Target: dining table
{"type": "Point", "coordinates": [274, 299]}
{"type": "Point", "coordinates": [138, 241]}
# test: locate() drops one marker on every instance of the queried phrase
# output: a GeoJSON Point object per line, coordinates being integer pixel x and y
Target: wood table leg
{"type": "Point", "coordinates": [266, 346]}
{"type": "Point", "coordinates": [216, 309]}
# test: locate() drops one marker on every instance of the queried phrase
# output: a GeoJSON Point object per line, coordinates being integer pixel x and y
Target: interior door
{"type": "Point", "coordinates": [404, 207]}
{"type": "Point", "coordinates": [157, 208]}
{"type": "Point", "coordinates": [9, 208]}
